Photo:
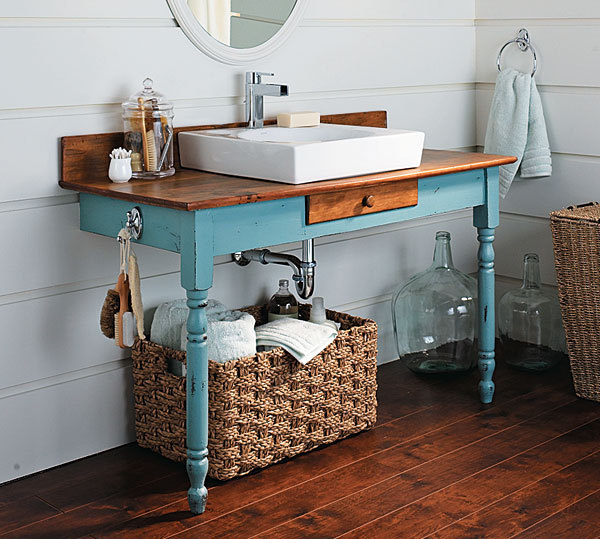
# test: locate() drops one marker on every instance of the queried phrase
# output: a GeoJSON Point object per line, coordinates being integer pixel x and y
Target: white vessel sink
{"type": "Point", "coordinates": [301, 154]}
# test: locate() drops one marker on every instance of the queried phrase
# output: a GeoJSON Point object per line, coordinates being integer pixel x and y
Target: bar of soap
{"type": "Point", "coordinates": [298, 119]}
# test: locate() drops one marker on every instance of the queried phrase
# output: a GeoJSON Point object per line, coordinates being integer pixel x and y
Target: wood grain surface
{"type": "Point", "coordinates": [343, 203]}
{"type": "Point", "coordinates": [85, 164]}
{"type": "Point", "coordinates": [437, 462]}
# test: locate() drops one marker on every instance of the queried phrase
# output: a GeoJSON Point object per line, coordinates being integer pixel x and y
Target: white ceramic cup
{"type": "Point", "coordinates": [119, 170]}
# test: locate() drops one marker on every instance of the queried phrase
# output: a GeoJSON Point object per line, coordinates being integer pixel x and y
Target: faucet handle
{"type": "Point", "coordinates": [254, 77]}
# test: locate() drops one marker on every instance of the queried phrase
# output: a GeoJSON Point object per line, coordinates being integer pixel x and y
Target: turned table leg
{"type": "Point", "coordinates": [197, 400]}
{"type": "Point", "coordinates": [486, 218]}
{"type": "Point", "coordinates": [487, 325]}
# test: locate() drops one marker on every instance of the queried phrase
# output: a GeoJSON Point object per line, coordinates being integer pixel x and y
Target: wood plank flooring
{"type": "Point", "coordinates": [437, 464]}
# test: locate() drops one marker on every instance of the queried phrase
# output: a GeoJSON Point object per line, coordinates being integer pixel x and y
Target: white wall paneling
{"type": "Point", "coordinates": [428, 10]}
{"type": "Point", "coordinates": [574, 180]}
{"type": "Point", "coordinates": [571, 113]}
{"type": "Point", "coordinates": [521, 234]}
{"type": "Point", "coordinates": [444, 112]}
{"type": "Point", "coordinates": [565, 52]}
{"type": "Point", "coordinates": [65, 421]}
{"type": "Point", "coordinates": [71, 65]}
{"type": "Point", "coordinates": [535, 11]}
{"type": "Point", "coordinates": [40, 10]}
{"type": "Point", "coordinates": [566, 36]}
{"type": "Point", "coordinates": [410, 50]}
{"type": "Point", "coordinates": [399, 251]}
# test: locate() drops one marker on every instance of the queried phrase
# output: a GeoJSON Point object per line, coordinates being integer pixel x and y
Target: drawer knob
{"type": "Point", "coordinates": [369, 201]}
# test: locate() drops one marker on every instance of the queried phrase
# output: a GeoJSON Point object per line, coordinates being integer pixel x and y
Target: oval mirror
{"type": "Point", "coordinates": [237, 31]}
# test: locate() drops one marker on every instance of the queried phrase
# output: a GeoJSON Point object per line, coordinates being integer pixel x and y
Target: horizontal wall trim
{"type": "Point", "coordinates": [550, 88]}
{"type": "Point", "coordinates": [85, 22]}
{"type": "Point", "coordinates": [387, 22]}
{"type": "Point", "coordinates": [583, 156]}
{"type": "Point", "coordinates": [115, 108]}
{"type": "Point", "coordinates": [361, 304]}
{"type": "Point", "coordinates": [42, 202]}
{"type": "Point", "coordinates": [39, 293]}
{"type": "Point", "coordinates": [118, 22]}
{"type": "Point", "coordinates": [516, 283]}
{"type": "Point", "coordinates": [539, 21]}
{"type": "Point", "coordinates": [65, 378]}
{"type": "Point", "coordinates": [264, 20]}
{"type": "Point", "coordinates": [523, 218]}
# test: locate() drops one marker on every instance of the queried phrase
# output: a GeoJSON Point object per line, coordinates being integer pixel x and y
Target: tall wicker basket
{"type": "Point", "coordinates": [264, 408]}
{"type": "Point", "coordinates": [576, 239]}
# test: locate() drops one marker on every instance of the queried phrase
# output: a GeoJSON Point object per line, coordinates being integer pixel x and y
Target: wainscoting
{"type": "Point", "coordinates": [65, 390]}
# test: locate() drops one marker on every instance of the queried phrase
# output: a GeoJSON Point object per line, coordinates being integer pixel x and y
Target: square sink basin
{"type": "Point", "coordinates": [301, 154]}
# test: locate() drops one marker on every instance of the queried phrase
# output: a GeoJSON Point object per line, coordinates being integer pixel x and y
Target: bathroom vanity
{"type": "Point", "coordinates": [201, 215]}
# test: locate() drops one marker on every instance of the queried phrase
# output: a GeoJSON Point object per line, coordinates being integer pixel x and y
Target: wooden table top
{"type": "Point", "coordinates": [196, 190]}
{"type": "Point", "coordinates": [85, 164]}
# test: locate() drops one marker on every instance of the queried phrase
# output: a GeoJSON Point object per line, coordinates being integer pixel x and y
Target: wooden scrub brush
{"type": "Point", "coordinates": [116, 317]}
{"type": "Point", "coordinates": [123, 320]}
{"type": "Point", "coordinates": [107, 314]}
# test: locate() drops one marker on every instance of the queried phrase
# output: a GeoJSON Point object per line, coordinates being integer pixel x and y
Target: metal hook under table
{"type": "Point", "coordinates": [524, 43]}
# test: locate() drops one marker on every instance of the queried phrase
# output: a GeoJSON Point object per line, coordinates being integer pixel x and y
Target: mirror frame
{"type": "Point", "coordinates": [224, 53]}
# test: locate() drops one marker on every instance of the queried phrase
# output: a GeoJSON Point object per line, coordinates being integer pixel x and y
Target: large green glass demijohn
{"type": "Point", "coordinates": [435, 316]}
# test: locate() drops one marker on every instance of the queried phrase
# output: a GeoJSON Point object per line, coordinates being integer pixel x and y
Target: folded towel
{"type": "Point", "coordinates": [230, 335]}
{"type": "Point", "coordinates": [537, 159]}
{"type": "Point", "coordinates": [303, 340]}
{"type": "Point", "coordinates": [516, 126]}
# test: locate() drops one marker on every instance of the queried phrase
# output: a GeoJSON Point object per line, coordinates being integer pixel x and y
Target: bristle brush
{"type": "Point", "coordinates": [144, 134]}
{"type": "Point", "coordinates": [151, 150]}
{"type": "Point", "coordinates": [124, 324]}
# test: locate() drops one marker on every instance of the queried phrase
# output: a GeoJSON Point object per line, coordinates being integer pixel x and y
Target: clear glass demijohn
{"type": "Point", "coordinates": [435, 316]}
{"type": "Point", "coordinates": [530, 323]}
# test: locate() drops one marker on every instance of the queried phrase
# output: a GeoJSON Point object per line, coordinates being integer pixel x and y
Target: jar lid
{"type": "Point", "coordinates": [148, 97]}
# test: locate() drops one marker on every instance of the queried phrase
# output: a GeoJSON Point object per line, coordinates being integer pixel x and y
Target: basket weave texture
{"type": "Point", "coordinates": [576, 240]}
{"type": "Point", "coordinates": [263, 408]}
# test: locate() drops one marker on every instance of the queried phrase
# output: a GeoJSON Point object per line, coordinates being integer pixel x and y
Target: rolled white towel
{"type": "Point", "coordinates": [171, 316]}
{"type": "Point", "coordinates": [304, 340]}
{"type": "Point", "coordinates": [230, 335]}
{"type": "Point", "coordinates": [167, 322]}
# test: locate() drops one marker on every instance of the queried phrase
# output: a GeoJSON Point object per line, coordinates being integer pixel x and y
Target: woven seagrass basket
{"type": "Point", "coordinates": [576, 239]}
{"type": "Point", "coordinates": [263, 408]}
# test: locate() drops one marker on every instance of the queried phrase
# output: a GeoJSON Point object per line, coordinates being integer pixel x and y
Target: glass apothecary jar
{"type": "Point", "coordinates": [435, 316]}
{"type": "Point", "coordinates": [530, 323]}
{"type": "Point", "coordinates": [148, 127]}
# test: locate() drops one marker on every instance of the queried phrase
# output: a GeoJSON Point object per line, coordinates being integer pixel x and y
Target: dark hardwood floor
{"type": "Point", "coordinates": [437, 464]}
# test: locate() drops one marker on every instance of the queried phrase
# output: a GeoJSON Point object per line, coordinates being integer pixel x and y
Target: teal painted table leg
{"type": "Point", "coordinates": [486, 219]}
{"type": "Point", "coordinates": [486, 313]}
{"type": "Point", "coordinates": [197, 400]}
{"type": "Point", "coordinates": [196, 277]}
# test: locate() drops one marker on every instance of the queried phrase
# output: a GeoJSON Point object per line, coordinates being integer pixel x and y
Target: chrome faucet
{"type": "Point", "coordinates": [255, 91]}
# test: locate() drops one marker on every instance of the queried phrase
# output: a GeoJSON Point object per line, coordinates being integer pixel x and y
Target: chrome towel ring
{"type": "Point", "coordinates": [524, 43]}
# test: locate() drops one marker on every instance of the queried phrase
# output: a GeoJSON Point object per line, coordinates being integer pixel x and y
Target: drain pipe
{"type": "Point", "coordinates": [304, 270]}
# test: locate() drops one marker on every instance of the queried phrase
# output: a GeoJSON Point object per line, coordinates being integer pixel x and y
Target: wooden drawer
{"type": "Point", "coordinates": [360, 201]}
